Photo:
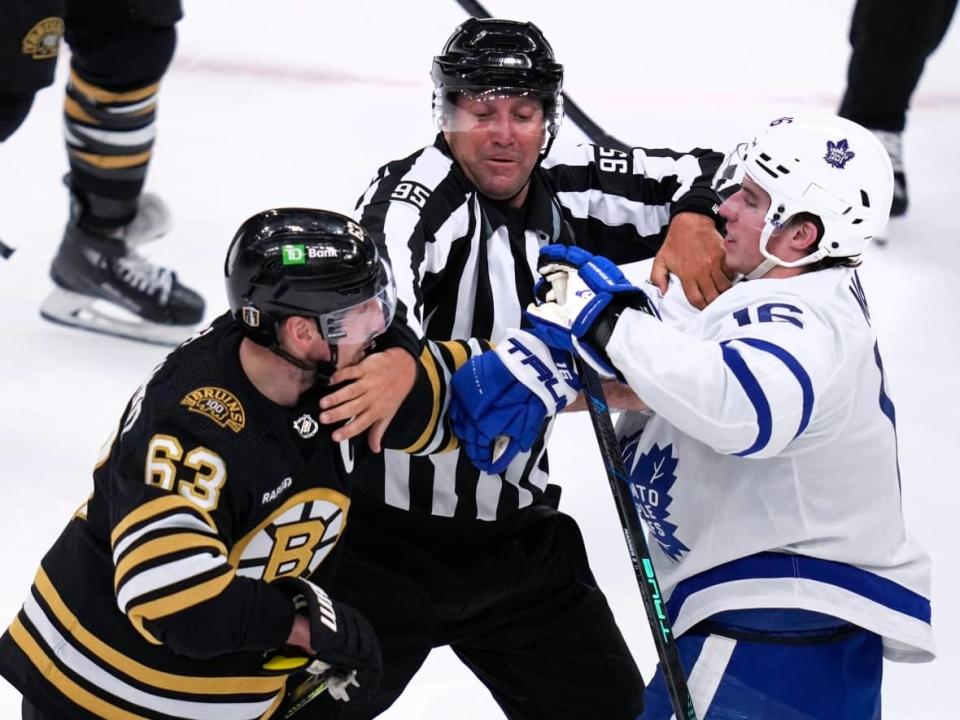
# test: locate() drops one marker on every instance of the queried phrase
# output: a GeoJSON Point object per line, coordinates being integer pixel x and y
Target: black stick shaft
{"type": "Point", "coordinates": [633, 533]}
{"type": "Point", "coordinates": [570, 108]}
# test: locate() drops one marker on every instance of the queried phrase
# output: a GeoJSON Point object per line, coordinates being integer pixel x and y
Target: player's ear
{"type": "Point", "coordinates": [804, 236]}
{"type": "Point", "coordinates": [298, 331]}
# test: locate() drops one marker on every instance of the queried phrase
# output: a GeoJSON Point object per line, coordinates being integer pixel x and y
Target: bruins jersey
{"type": "Point", "coordinates": [155, 600]}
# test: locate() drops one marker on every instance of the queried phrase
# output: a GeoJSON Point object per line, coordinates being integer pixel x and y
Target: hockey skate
{"type": "Point", "coordinates": [104, 286]}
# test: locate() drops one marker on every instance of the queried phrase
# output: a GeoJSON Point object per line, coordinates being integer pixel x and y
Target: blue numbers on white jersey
{"type": "Point", "coordinates": [769, 312]}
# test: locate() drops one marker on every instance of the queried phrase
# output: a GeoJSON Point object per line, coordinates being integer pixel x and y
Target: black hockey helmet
{"type": "Point", "coordinates": [498, 57]}
{"type": "Point", "coordinates": [313, 263]}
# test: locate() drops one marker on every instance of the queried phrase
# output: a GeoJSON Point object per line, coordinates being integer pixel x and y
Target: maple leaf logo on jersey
{"type": "Point", "coordinates": [839, 153]}
{"type": "Point", "coordinates": [651, 480]}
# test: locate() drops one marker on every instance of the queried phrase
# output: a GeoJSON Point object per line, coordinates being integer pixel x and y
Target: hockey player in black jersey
{"type": "Point", "coordinates": [119, 53]}
{"type": "Point", "coordinates": [484, 562]}
{"type": "Point", "coordinates": [178, 588]}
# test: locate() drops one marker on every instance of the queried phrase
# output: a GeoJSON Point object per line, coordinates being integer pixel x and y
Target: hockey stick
{"type": "Point", "coordinates": [663, 639]}
{"type": "Point", "coordinates": [305, 692]}
{"type": "Point", "coordinates": [570, 108]}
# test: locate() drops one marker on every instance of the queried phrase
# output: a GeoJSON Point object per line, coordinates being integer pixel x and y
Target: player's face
{"type": "Point", "coordinates": [359, 326]}
{"type": "Point", "coordinates": [745, 212]}
{"type": "Point", "coordinates": [497, 142]}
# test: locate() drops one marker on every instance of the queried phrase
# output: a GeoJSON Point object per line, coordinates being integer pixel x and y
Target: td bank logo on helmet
{"type": "Point", "coordinates": [299, 254]}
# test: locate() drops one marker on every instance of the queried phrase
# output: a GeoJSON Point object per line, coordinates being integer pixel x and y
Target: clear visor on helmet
{"type": "Point", "coordinates": [745, 200]}
{"type": "Point", "coordinates": [519, 110]}
{"type": "Point", "coordinates": [729, 176]}
{"type": "Point", "coordinates": [357, 325]}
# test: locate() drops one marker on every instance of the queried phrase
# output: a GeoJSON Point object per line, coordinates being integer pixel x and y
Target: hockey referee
{"type": "Point", "coordinates": [439, 553]}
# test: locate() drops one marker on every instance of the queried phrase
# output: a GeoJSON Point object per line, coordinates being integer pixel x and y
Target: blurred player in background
{"type": "Point", "coordinates": [891, 43]}
{"type": "Point", "coordinates": [120, 51]}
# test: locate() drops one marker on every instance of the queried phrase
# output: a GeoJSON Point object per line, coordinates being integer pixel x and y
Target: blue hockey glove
{"type": "Point", "coordinates": [582, 297]}
{"type": "Point", "coordinates": [502, 398]}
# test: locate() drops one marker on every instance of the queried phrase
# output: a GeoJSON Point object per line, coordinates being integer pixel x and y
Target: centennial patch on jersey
{"type": "Point", "coordinates": [839, 153]}
{"type": "Point", "coordinates": [42, 41]}
{"type": "Point", "coordinates": [219, 405]}
{"type": "Point", "coordinates": [651, 479]}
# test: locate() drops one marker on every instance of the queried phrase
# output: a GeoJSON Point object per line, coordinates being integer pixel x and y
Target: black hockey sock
{"type": "Point", "coordinates": [110, 137]}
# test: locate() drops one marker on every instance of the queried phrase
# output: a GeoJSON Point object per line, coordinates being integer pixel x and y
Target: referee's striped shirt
{"type": "Point", "coordinates": [465, 269]}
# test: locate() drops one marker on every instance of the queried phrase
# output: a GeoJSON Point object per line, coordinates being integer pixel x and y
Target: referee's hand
{"type": "Point", "coordinates": [375, 388]}
{"type": "Point", "coordinates": [693, 251]}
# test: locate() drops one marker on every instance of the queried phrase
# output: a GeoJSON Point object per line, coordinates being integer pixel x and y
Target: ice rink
{"type": "Point", "coordinates": [299, 102]}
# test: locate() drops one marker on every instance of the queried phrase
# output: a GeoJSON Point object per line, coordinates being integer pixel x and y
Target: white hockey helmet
{"type": "Point", "coordinates": [820, 164]}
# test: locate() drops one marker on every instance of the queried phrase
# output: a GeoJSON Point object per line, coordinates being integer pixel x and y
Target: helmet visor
{"type": "Point", "coordinates": [518, 110]}
{"type": "Point", "coordinates": [358, 324]}
{"type": "Point", "coordinates": [729, 176]}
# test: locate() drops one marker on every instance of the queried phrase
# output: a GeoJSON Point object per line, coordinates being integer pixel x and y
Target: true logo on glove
{"type": "Point", "coordinates": [544, 374]}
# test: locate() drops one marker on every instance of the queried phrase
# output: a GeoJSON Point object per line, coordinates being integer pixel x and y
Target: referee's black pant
{"type": "Point", "coordinates": [514, 599]}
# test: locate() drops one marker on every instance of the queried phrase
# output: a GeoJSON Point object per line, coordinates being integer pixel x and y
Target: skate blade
{"type": "Point", "coordinates": [99, 316]}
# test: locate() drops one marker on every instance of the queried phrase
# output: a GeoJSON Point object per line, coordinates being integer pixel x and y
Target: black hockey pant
{"type": "Point", "coordinates": [515, 600]}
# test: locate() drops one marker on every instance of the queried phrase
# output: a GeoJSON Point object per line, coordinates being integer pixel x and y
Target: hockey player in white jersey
{"type": "Point", "coordinates": [765, 466]}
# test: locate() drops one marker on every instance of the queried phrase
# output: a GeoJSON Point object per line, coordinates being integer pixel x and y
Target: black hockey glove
{"type": "Point", "coordinates": [343, 641]}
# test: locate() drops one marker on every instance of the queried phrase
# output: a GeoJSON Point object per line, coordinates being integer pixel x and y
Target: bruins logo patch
{"type": "Point", "coordinates": [42, 41]}
{"type": "Point", "coordinates": [295, 538]}
{"type": "Point", "coordinates": [219, 405]}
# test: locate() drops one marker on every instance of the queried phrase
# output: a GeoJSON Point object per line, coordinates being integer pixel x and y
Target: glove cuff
{"type": "Point", "coordinates": [601, 329]}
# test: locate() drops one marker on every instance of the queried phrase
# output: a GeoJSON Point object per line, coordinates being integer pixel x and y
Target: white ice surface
{"type": "Point", "coordinates": [299, 102]}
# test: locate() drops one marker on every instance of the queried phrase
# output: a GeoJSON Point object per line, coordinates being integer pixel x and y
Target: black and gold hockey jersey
{"type": "Point", "coordinates": [153, 601]}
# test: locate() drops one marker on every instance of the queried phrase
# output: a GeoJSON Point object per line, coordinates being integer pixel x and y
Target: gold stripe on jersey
{"type": "Point", "coordinates": [111, 162]}
{"type": "Point", "coordinates": [76, 111]}
{"type": "Point", "coordinates": [81, 512]}
{"type": "Point", "coordinates": [134, 530]}
{"type": "Point", "coordinates": [449, 355]}
{"type": "Point", "coordinates": [101, 95]}
{"type": "Point", "coordinates": [152, 550]}
{"type": "Point", "coordinates": [151, 676]}
{"type": "Point", "coordinates": [458, 352]}
{"type": "Point", "coordinates": [77, 693]}
{"type": "Point", "coordinates": [170, 604]}
{"type": "Point", "coordinates": [155, 509]}
{"type": "Point", "coordinates": [430, 366]}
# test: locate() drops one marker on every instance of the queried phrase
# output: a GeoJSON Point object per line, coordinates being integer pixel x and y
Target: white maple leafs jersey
{"type": "Point", "coordinates": [767, 473]}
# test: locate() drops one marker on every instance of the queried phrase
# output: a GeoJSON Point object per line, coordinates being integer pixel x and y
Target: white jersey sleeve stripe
{"type": "Point", "coordinates": [754, 393]}
{"type": "Point", "coordinates": [806, 384]}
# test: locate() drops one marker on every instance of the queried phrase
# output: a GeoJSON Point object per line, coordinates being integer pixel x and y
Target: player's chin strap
{"type": "Point", "coordinates": [762, 269]}
{"type": "Point", "coordinates": [771, 261]}
{"type": "Point", "coordinates": [324, 369]}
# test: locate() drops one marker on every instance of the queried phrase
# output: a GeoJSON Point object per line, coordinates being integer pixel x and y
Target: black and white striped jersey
{"type": "Point", "coordinates": [465, 268]}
